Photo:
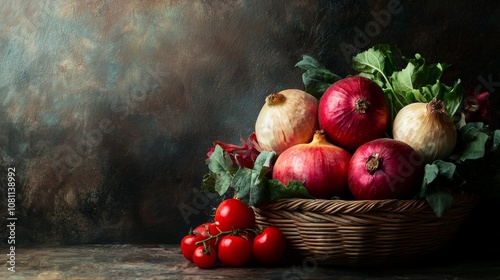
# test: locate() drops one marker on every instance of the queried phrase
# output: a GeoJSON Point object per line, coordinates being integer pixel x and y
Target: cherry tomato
{"type": "Point", "coordinates": [202, 229]}
{"type": "Point", "coordinates": [269, 246]}
{"type": "Point", "coordinates": [234, 250]}
{"type": "Point", "coordinates": [234, 214]}
{"type": "Point", "coordinates": [206, 230]}
{"type": "Point", "coordinates": [247, 235]}
{"type": "Point", "coordinates": [204, 257]}
{"type": "Point", "coordinates": [214, 228]}
{"type": "Point", "coordinates": [188, 245]}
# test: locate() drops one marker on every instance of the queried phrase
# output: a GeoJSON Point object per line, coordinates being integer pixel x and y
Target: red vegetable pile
{"type": "Point", "coordinates": [233, 239]}
{"type": "Point", "coordinates": [354, 115]}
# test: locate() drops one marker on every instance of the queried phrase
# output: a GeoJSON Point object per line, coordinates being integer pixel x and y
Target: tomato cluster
{"type": "Point", "coordinates": [233, 239]}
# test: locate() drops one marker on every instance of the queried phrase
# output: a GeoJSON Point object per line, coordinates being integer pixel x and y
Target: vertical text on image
{"type": "Point", "coordinates": [11, 218]}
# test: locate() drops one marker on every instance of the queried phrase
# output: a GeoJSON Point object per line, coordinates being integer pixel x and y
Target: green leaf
{"type": "Point", "coordinates": [496, 141]}
{"type": "Point", "coordinates": [388, 50]}
{"type": "Point", "coordinates": [403, 84]}
{"type": "Point", "coordinates": [440, 200]}
{"type": "Point", "coordinates": [370, 61]}
{"type": "Point", "coordinates": [435, 90]}
{"type": "Point", "coordinates": [221, 164]}
{"type": "Point", "coordinates": [242, 182]}
{"type": "Point", "coordinates": [316, 78]}
{"type": "Point", "coordinates": [476, 148]}
{"type": "Point", "coordinates": [478, 157]}
{"type": "Point", "coordinates": [446, 169]}
{"type": "Point", "coordinates": [249, 184]}
{"type": "Point", "coordinates": [405, 80]}
{"type": "Point", "coordinates": [377, 78]}
{"type": "Point", "coordinates": [418, 74]}
{"type": "Point", "coordinates": [208, 182]}
{"type": "Point", "coordinates": [422, 81]}
{"type": "Point", "coordinates": [294, 189]}
{"type": "Point", "coordinates": [377, 60]}
{"type": "Point", "coordinates": [431, 172]}
{"type": "Point", "coordinates": [261, 167]}
{"type": "Point", "coordinates": [468, 132]}
{"type": "Point", "coordinates": [428, 73]}
{"type": "Point", "coordinates": [453, 98]}
{"type": "Point", "coordinates": [263, 162]}
{"type": "Point", "coordinates": [222, 184]}
{"type": "Point", "coordinates": [417, 95]}
{"type": "Point", "coordinates": [257, 194]}
{"type": "Point", "coordinates": [309, 63]}
{"type": "Point", "coordinates": [438, 172]}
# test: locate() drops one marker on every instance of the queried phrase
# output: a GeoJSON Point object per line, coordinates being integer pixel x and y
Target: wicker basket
{"type": "Point", "coordinates": [365, 232]}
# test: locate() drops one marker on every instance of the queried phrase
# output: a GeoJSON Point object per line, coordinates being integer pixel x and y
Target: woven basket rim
{"type": "Point", "coordinates": [365, 232]}
{"type": "Point", "coordinates": [333, 206]}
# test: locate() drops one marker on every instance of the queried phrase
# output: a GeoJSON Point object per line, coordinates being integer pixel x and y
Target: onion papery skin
{"type": "Point", "coordinates": [288, 118]}
{"type": "Point", "coordinates": [320, 165]}
{"type": "Point", "coordinates": [431, 133]}
{"type": "Point", "coordinates": [385, 169]}
{"type": "Point", "coordinates": [353, 111]}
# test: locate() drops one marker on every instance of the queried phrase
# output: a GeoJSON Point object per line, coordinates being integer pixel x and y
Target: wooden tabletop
{"type": "Point", "coordinates": [125, 261]}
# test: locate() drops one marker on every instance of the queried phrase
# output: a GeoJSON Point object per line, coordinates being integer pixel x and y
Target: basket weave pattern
{"type": "Point", "coordinates": [364, 232]}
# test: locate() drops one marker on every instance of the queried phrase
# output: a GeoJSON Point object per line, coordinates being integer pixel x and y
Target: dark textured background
{"type": "Point", "coordinates": [107, 108]}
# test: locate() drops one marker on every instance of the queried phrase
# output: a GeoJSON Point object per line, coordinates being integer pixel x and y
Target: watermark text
{"type": "Point", "coordinates": [11, 218]}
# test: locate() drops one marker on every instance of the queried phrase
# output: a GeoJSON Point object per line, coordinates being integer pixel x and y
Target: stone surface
{"type": "Point", "coordinates": [165, 262]}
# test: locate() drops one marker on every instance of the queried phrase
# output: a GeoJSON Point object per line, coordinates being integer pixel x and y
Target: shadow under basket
{"type": "Point", "coordinates": [365, 232]}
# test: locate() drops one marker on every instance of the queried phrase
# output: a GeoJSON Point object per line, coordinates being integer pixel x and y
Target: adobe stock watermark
{"type": "Point", "coordinates": [305, 269]}
{"type": "Point", "coordinates": [310, 263]}
{"type": "Point", "coordinates": [363, 37]}
{"type": "Point", "coordinates": [11, 218]}
{"type": "Point", "coordinates": [71, 155]}
{"type": "Point", "coordinates": [487, 83]}
{"type": "Point", "coordinates": [407, 167]}
{"type": "Point", "coordinates": [476, 103]}
{"type": "Point", "coordinates": [201, 201]}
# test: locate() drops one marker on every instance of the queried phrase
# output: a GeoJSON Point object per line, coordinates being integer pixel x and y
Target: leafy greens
{"type": "Point", "coordinates": [416, 82]}
{"type": "Point", "coordinates": [251, 185]}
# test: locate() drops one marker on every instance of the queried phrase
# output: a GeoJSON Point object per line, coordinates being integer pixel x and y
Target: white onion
{"type": "Point", "coordinates": [288, 118]}
{"type": "Point", "coordinates": [427, 128]}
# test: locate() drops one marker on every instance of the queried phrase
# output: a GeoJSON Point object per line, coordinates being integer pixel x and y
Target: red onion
{"type": "Point", "coordinates": [385, 169]}
{"type": "Point", "coordinates": [320, 165]}
{"type": "Point", "coordinates": [353, 111]}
